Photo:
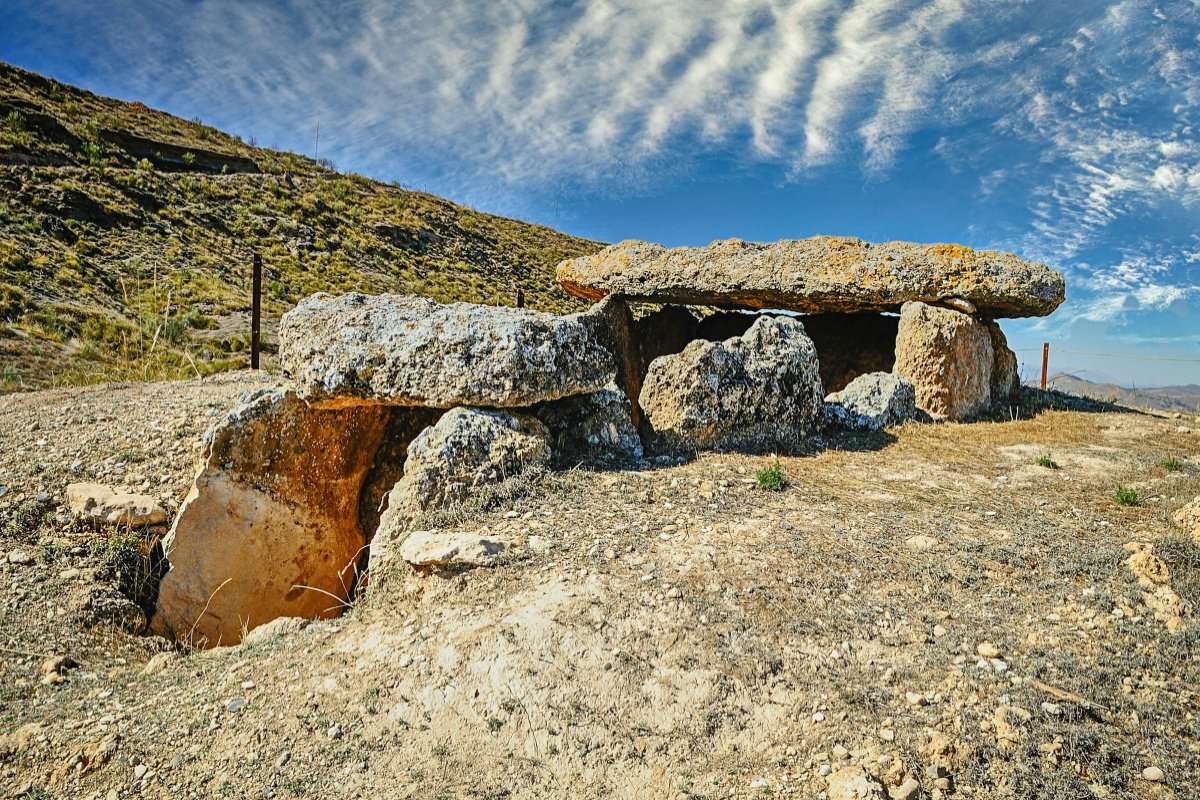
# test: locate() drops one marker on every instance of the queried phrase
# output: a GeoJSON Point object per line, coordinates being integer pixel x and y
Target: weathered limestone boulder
{"type": "Point", "coordinates": [872, 402]}
{"type": "Point", "coordinates": [854, 783]}
{"type": "Point", "coordinates": [450, 550]}
{"type": "Point", "coordinates": [756, 392]}
{"type": "Point", "coordinates": [468, 449]}
{"type": "Point", "coordinates": [662, 332]}
{"type": "Point", "coordinates": [405, 350]}
{"type": "Point", "coordinates": [947, 355]}
{"type": "Point", "coordinates": [404, 424]}
{"type": "Point", "coordinates": [594, 428]}
{"type": "Point", "coordinates": [103, 505]}
{"type": "Point", "coordinates": [1187, 517]}
{"type": "Point", "coordinates": [273, 510]}
{"type": "Point", "coordinates": [1006, 378]}
{"type": "Point", "coordinates": [848, 345]}
{"type": "Point", "coordinates": [611, 322]}
{"type": "Point", "coordinates": [820, 274]}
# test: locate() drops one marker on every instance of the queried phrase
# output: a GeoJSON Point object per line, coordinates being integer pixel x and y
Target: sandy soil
{"type": "Point", "coordinates": [928, 604]}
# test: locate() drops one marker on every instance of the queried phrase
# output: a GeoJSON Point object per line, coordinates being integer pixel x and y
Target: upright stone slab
{"type": "Point", "coordinates": [1006, 377]}
{"type": "Point", "coordinates": [756, 392]}
{"type": "Point", "coordinates": [273, 510]}
{"type": "Point", "coordinates": [359, 349]}
{"type": "Point", "coordinates": [612, 324]}
{"type": "Point", "coordinates": [594, 429]}
{"type": "Point", "coordinates": [817, 275]}
{"type": "Point", "coordinates": [947, 355]}
{"type": "Point", "coordinates": [467, 450]}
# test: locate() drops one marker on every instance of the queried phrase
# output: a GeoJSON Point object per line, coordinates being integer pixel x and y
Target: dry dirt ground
{"type": "Point", "coordinates": [929, 604]}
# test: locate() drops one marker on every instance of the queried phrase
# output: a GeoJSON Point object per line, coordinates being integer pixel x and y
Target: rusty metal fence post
{"type": "Point", "coordinates": [1045, 361]}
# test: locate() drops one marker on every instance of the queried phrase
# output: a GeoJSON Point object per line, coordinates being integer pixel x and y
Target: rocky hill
{"type": "Point", "coordinates": [126, 237]}
{"type": "Point", "coordinates": [1182, 399]}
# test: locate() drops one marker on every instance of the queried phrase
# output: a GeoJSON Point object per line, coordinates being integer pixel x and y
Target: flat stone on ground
{"type": "Point", "coordinates": [450, 550]}
{"type": "Point", "coordinates": [100, 504]}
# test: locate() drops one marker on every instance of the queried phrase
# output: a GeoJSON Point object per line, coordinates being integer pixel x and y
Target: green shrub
{"type": "Point", "coordinates": [1171, 464]}
{"type": "Point", "coordinates": [1047, 462]}
{"type": "Point", "coordinates": [13, 132]}
{"type": "Point", "coordinates": [1126, 496]}
{"type": "Point", "coordinates": [92, 154]}
{"type": "Point", "coordinates": [771, 478]}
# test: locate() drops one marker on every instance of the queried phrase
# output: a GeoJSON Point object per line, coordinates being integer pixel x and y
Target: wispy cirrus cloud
{"type": "Point", "coordinates": [1099, 99]}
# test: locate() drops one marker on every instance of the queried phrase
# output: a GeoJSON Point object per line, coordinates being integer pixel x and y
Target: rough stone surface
{"type": "Point", "coordinates": [594, 429]}
{"type": "Point", "coordinates": [665, 331]}
{"type": "Point", "coordinates": [411, 351]}
{"type": "Point", "coordinates": [854, 783]}
{"type": "Point", "coordinates": [1155, 579]}
{"type": "Point", "coordinates": [947, 355]}
{"type": "Point", "coordinates": [403, 425]}
{"type": "Point", "coordinates": [872, 402]}
{"type": "Point", "coordinates": [1006, 378]}
{"type": "Point", "coordinates": [100, 504]}
{"type": "Point", "coordinates": [756, 392]}
{"type": "Point", "coordinates": [849, 345]}
{"type": "Point", "coordinates": [611, 322]}
{"type": "Point", "coordinates": [273, 508]}
{"type": "Point", "coordinates": [468, 449]}
{"type": "Point", "coordinates": [450, 549]}
{"type": "Point", "coordinates": [276, 628]}
{"type": "Point", "coordinates": [1187, 517]}
{"type": "Point", "coordinates": [820, 274]}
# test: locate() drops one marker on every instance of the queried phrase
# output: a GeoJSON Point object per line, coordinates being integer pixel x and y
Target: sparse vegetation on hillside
{"type": "Point", "coordinates": [126, 236]}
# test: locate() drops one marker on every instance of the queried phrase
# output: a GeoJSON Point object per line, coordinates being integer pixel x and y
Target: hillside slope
{"type": "Point", "coordinates": [1182, 399]}
{"type": "Point", "coordinates": [126, 236]}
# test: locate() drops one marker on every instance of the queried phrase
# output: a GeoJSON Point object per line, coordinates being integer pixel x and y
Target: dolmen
{"type": "Point", "coordinates": [395, 408]}
{"type": "Point", "coordinates": [925, 312]}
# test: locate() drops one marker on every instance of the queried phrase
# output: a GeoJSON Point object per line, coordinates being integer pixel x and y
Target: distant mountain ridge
{"type": "Point", "coordinates": [126, 236]}
{"type": "Point", "coordinates": [1185, 399]}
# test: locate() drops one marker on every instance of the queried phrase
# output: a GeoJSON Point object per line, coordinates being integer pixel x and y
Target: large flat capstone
{"type": "Point", "coordinates": [404, 350]}
{"type": "Point", "coordinates": [817, 275]}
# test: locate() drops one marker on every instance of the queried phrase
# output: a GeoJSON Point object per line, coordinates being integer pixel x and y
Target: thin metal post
{"type": "Point", "coordinates": [256, 312]}
{"type": "Point", "coordinates": [1045, 361]}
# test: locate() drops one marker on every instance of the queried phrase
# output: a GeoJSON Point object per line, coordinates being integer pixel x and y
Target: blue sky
{"type": "Point", "coordinates": [1066, 132]}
